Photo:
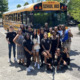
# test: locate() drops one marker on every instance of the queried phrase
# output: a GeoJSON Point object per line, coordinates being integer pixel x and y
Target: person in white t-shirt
{"type": "Point", "coordinates": [36, 40]}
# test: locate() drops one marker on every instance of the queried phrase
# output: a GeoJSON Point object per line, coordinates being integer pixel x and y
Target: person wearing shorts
{"type": "Point", "coordinates": [36, 48]}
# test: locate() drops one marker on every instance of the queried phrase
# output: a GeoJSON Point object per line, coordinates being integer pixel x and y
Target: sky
{"type": "Point", "coordinates": [13, 3]}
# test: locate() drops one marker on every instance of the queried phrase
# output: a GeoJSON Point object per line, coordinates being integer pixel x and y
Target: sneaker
{"type": "Point", "coordinates": [15, 60]}
{"type": "Point", "coordinates": [28, 70]}
{"type": "Point", "coordinates": [9, 60]}
{"type": "Point", "coordinates": [31, 68]}
{"type": "Point", "coordinates": [35, 64]}
{"type": "Point", "coordinates": [69, 66]}
{"type": "Point", "coordinates": [38, 66]}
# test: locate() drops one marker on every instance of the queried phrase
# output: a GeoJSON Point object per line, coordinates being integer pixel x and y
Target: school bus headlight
{"type": "Point", "coordinates": [62, 7]}
{"type": "Point", "coordinates": [40, 7]}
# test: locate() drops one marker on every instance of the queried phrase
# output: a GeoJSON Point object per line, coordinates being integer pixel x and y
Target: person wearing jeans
{"type": "Point", "coordinates": [10, 47]}
{"type": "Point", "coordinates": [9, 37]}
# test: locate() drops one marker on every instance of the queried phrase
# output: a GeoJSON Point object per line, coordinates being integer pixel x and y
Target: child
{"type": "Point", "coordinates": [46, 45]}
{"type": "Point", "coordinates": [58, 58]}
{"type": "Point", "coordinates": [36, 48]}
{"type": "Point", "coordinates": [20, 51]}
{"type": "Point", "coordinates": [28, 47]}
{"type": "Point", "coordinates": [66, 57]}
{"type": "Point", "coordinates": [9, 37]}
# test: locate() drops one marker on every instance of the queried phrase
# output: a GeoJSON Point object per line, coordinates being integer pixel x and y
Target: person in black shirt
{"type": "Point", "coordinates": [41, 49]}
{"type": "Point", "coordinates": [9, 37]}
{"type": "Point", "coordinates": [46, 45]}
{"type": "Point", "coordinates": [58, 35]}
{"type": "Point", "coordinates": [66, 57]}
{"type": "Point", "coordinates": [56, 30]}
{"type": "Point", "coordinates": [46, 28]}
{"type": "Point", "coordinates": [55, 43]}
{"type": "Point", "coordinates": [58, 58]}
{"type": "Point", "coordinates": [29, 30]}
{"type": "Point", "coordinates": [28, 47]}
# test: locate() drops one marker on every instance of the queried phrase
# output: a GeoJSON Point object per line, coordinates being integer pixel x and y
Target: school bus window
{"type": "Point", "coordinates": [15, 17]}
{"type": "Point", "coordinates": [19, 18]}
{"type": "Point", "coordinates": [8, 17]}
{"type": "Point", "coordinates": [4, 17]}
{"type": "Point", "coordinates": [12, 17]}
{"type": "Point", "coordinates": [24, 17]}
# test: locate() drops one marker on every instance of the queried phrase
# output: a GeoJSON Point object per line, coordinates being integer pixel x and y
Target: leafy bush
{"type": "Point", "coordinates": [79, 26]}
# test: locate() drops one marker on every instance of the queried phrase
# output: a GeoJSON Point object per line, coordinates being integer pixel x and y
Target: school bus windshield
{"type": "Point", "coordinates": [52, 17]}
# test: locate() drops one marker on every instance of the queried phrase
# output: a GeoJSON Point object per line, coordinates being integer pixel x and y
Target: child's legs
{"type": "Point", "coordinates": [37, 55]}
{"type": "Point", "coordinates": [10, 46]}
{"type": "Point", "coordinates": [34, 56]}
{"type": "Point", "coordinates": [68, 61]}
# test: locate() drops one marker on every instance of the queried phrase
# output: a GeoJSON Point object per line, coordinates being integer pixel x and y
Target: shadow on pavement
{"type": "Point", "coordinates": [16, 65]}
{"type": "Point", "coordinates": [62, 70]}
{"type": "Point", "coordinates": [23, 68]}
{"type": "Point", "coordinates": [73, 65]}
{"type": "Point", "coordinates": [74, 53]}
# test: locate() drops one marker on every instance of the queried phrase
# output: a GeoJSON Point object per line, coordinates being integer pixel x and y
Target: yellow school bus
{"type": "Point", "coordinates": [36, 14]}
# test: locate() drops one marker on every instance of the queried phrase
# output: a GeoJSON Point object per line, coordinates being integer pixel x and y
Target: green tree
{"type": "Point", "coordinates": [74, 9]}
{"type": "Point", "coordinates": [3, 6]}
{"type": "Point", "coordinates": [18, 6]}
{"type": "Point", "coordinates": [26, 3]}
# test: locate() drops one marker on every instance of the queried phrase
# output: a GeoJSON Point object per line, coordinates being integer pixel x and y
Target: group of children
{"type": "Point", "coordinates": [49, 47]}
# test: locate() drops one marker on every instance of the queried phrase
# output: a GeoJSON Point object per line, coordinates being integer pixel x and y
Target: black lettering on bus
{"type": "Point", "coordinates": [47, 6]}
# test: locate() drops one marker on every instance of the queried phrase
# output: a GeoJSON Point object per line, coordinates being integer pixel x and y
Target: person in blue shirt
{"type": "Point", "coordinates": [66, 39]}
